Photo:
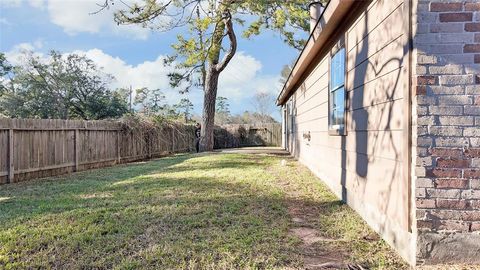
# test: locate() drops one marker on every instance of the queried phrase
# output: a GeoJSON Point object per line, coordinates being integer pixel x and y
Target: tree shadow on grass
{"type": "Point", "coordinates": [38, 197]}
{"type": "Point", "coordinates": [165, 222]}
{"type": "Point", "coordinates": [155, 215]}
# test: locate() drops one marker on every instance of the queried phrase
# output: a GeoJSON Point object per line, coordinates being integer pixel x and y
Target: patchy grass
{"type": "Point", "coordinates": [222, 211]}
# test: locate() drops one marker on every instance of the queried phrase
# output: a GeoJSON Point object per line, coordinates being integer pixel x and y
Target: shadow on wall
{"type": "Point", "coordinates": [359, 117]}
{"type": "Point", "coordinates": [371, 122]}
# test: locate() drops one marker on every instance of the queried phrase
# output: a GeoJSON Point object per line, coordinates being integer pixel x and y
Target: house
{"type": "Point", "coordinates": [383, 105]}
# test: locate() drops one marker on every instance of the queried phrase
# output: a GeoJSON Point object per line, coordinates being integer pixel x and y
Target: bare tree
{"type": "Point", "coordinates": [264, 103]}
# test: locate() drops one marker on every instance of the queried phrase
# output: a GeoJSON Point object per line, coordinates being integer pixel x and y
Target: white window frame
{"type": "Point", "coordinates": [335, 129]}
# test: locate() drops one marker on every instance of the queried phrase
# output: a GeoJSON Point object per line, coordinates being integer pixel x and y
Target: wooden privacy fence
{"type": "Point", "coordinates": [31, 148]}
{"type": "Point", "coordinates": [261, 134]}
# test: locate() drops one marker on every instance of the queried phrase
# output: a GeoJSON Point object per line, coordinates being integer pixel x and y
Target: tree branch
{"type": "Point", "coordinates": [233, 43]}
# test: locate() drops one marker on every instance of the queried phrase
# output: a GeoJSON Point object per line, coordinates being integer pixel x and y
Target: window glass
{"type": "Point", "coordinates": [337, 91]}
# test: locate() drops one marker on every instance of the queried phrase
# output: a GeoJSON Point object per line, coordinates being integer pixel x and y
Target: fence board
{"type": "Point", "coordinates": [41, 148]}
{"type": "Point", "coordinates": [3, 155]}
{"type": "Point", "coordinates": [261, 134]}
{"type": "Point", "coordinates": [11, 156]}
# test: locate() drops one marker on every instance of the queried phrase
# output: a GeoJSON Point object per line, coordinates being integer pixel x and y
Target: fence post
{"type": "Point", "coordinates": [272, 129]}
{"type": "Point", "coordinates": [119, 159]}
{"type": "Point", "coordinates": [77, 155]}
{"type": "Point", "coordinates": [173, 140]}
{"type": "Point", "coordinates": [148, 144]}
{"type": "Point", "coordinates": [11, 168]}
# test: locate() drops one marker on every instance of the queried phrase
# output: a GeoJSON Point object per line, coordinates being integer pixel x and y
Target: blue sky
{"type": "Point", "coordinates": [133, 54]}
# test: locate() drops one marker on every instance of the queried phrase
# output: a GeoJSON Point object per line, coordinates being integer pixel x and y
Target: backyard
{"type": "Point", "coordinates": [189, 211]}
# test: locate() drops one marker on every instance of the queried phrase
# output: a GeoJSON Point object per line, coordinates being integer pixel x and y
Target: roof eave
{"type": "Point", "coordinates": [332, 16]}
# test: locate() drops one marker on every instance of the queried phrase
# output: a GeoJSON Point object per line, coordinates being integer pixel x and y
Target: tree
{"type": "Point", "coordinates": [158, 100]}
{"type": "Point", "coordinates": [170, 112]}
{"type": "Point", "coordinates": [198, 54]}
{"type": "Point", "coordinates": [141, 99]}
{"type": "Point", "coordinates": [285, 73]}
{"type": "Point", "coordinates": [5, 68]}
{"type": "Point", "coordinates": [251, 118]}
{"type": "Point", "coordinates": [152, 101]}
{"type": "Point", "coordinates": [264, 103]}
{"type": "Point", "coordinates": [127, 95]}
{"type": "Point", "coordinates": [63, 87]}
{"type": "Point", "coordinates": [185, 108]}
{"type": "Point", "coordinates": [222, 111]}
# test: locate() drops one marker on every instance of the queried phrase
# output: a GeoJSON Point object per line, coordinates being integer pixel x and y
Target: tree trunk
{"type": "Point", "coordinates": [211, 81]}
{"type": "Point", "coordinates": [208, 119]}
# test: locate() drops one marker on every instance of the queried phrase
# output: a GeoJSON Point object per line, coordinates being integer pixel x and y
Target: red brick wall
{"type": "Point", "coordinates": [447, 117]}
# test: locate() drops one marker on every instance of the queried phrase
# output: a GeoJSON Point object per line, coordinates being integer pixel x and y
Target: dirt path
{"type": "Point", "coordinates": [312, 249]}
{"type": "Point", "coordinates": [314, 256]}
{"type": "Point", "coordinates": [316, 250]}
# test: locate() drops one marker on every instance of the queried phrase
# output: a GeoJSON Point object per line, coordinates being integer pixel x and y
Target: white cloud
{"type": "Point", "coordinates": [77, 16]}
{"type": "Point", "coordinates": [16, 54]}
{"type": "Point", "coordinates": [242, 79]}
{"type": "Point", "coordinates": [151, 74]}
{"type": "Point", "coordinates": [239, 82]}
{"type": "Point", "coordinates": [241, 69]}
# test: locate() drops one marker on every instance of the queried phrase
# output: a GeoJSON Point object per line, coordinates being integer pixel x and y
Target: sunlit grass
{"type": "Point", "coordinates": [221, 211]}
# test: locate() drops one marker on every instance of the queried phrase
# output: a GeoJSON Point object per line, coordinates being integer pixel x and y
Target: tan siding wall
{"type": "Point", "coordinates": [365, 167]}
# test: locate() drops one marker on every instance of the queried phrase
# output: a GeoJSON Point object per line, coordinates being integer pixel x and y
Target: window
{"type": "Point", "coordinates": [292, 112]}
{"type": "Point", "coordinates": [337, 93]}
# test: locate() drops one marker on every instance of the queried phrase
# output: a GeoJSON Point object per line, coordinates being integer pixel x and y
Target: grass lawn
{"type": "Point", "coordinates": [218, 211]}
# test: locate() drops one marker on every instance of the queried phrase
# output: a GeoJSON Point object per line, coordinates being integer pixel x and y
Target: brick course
{"type": "Point", "coordinates": [471, 48]}
{"type": "Point", "coordinates": [456, 17]}
{"type": "Point", "coordinates": [472, 6]}
{"type": "Point", "coordinates": [472, 27]}
{"type": "Point", "coordinates": [440, 7]}
{"type": "Point", "coordinates": [452, 183]}
{"type": "Point", "coordinates": [447, 131]}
